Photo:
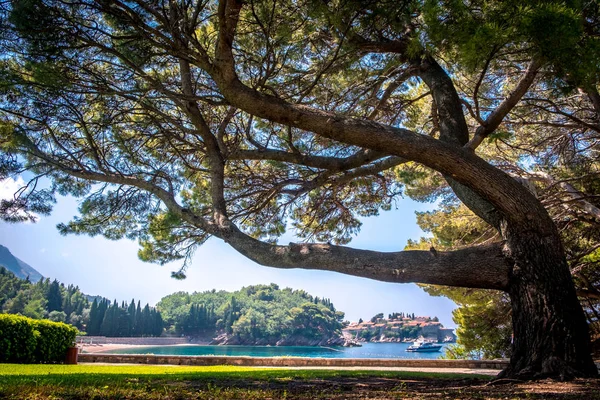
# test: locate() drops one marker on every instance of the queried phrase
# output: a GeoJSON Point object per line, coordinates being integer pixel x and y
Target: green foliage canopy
{"type": "Point", "coordinates": [258, 313]}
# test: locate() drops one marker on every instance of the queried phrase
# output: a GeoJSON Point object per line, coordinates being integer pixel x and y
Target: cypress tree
{"type": "Point", "coordinates": [54, 297]}
{"type": "Point", "coordinates": [108, 322]}
{"type": "Point", "coordinates": [123, 326]}
{"type": "Point", "coordinates": [158, 324]}
{"type": "Point", "coordinates": [139, 326]}
{"type": "Point", "coordinates": [67, 305]}
{"type": "Point", "coordinates": [131, 315]}
{"type": "Point", "coordinates": [93, 322]}
{"type": "Point", "coordinates": [146, 321]}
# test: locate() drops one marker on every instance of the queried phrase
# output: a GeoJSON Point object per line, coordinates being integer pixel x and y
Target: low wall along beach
{"type": "Point", "coordinates": [288, 361]}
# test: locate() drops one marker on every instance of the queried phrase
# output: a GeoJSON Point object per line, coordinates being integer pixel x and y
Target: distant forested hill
{"type": "Point", "coordinates": [260, 314]}
{"type": "Point", "coordinates": [57, 302]}
{"type": "Point", "coordinates": [20, 268]}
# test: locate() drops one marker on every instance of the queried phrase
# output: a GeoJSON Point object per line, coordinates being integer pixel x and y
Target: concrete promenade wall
{"type": "Point", "coordinates": [286, 361]}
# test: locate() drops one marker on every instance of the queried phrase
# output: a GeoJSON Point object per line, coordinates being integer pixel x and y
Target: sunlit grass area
{"type": "Point", "coordinates": [92, 373]}
{"type": "Point", "coordinates": [152, 382]}
{"type": "Point", "coordinates": [167, 382]}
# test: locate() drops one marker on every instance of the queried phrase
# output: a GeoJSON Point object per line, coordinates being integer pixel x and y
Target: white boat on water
{"type": "Point", "coordinates": [424, 347]}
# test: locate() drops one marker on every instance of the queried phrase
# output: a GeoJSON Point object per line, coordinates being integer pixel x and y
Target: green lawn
{"type": "Point", "coordinates": [91, 374]}
{"type": "Point", "coordinates": [182, 382]}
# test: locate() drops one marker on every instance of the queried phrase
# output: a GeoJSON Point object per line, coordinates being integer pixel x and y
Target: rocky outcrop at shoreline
{"type": "Point", "coordinates": [294, 340]}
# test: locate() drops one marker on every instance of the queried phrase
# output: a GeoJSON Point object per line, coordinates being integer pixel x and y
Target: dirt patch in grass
{"type": "Point", "coordinates": [390, 388]}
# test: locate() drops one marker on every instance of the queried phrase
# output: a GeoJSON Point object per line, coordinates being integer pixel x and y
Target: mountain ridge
{"type": "Point", "coordinates": [17, 266]}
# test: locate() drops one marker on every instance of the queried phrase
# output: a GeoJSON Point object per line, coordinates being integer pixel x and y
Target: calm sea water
{"type": "Point", "coordinates": [368, 350]}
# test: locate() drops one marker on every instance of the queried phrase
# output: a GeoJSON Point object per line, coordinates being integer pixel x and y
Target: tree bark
{"type": "Point", "coordinates": [551, 337]}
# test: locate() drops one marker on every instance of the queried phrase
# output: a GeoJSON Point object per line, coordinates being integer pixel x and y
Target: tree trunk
{"type": "Point", "coordinates": [551, 337]}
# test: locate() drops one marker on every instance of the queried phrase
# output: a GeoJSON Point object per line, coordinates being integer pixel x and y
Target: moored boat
{"type": "Point", "coordinates": [424, 347]}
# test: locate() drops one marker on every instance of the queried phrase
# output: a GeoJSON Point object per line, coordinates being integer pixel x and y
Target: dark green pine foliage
{"type": "Point", "coordinates": [376, 317]}
{"type": "Point", "coordinates": [67, 306]}
{"type": "Point", "coordinates": [122, 320]}
{"type": "Point", "coordinates": [17, 305]}
{"type": "Point", "coordinates": [106, 327]}
{"type": "Point", "coordinates": [146, 319]}
{"type": "Point", "coordinates": [123, 324]}
{"type": "Point", "coordinates": [10, 285]}
{"type": "Point", "coordinates": [131, 312]}
{"type": "Point", "coordinates": [199, 320]}
{"type": "Point", "coordinates": [102, 308]}
{"type": "Point", "coordinates": [138, 327]}
{"type": "Point", "coordinates": [231, 315]}
{"type": "Point", "coordinates": [54, 297]}
{"type": "Point", "coordinates": [157, 324]}
{"type": "Point", "coordinates": [92, 325]}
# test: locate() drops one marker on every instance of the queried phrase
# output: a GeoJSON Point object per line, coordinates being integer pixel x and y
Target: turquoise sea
{"type": "Point", "coordinates": [368, 350]}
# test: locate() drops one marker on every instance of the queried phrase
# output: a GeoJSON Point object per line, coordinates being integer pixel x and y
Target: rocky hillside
{"type": "Point", "coordinates": [18, 267]}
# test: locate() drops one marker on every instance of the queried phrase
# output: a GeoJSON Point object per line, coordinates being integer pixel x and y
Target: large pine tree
{"type": "Point", "coordinates": [234, 119]}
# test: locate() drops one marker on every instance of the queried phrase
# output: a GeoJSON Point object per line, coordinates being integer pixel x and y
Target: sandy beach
{"type": "Point", "coordinates": [103, 348]}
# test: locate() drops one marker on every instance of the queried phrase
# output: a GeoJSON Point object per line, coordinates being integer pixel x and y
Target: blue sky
{"type": "Point", "coordinates": [112, 269]}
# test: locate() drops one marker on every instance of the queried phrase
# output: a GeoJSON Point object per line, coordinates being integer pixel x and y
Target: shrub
{"type": "Point", "coordinates": [53, 341]}
{"type": "Point", "coordinates": [25, 340]}
{"type": "Point", "coordinates": [17, 339]}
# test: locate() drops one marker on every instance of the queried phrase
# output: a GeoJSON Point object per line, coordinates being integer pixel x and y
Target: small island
{"type": "Point", "coordinates": [259, 315]}
{"type": "Point", "coordinates": [399, 327]}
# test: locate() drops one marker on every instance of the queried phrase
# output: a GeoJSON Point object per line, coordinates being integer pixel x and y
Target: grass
{"type": "Point", "coordinates": [100, 374]}
{"type": "Point", "coordinates": [150, 382]}
{"type": "Point", "coordinates": [19, 381]}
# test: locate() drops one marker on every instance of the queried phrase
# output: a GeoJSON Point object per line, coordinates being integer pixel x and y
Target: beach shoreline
{"type": "Point", "coordinates": [106, 347]}
{"type": "Point", "coordinates": [103, 348]}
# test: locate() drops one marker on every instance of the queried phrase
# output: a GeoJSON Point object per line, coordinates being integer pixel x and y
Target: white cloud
{"type": "Point", "coordinates": [10, 186]}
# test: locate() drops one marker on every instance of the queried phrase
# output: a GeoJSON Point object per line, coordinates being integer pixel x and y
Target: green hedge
{"type": "Point", "coordinates": [17, 339]}
{"type": "Point", "coordinates": [26, 340]}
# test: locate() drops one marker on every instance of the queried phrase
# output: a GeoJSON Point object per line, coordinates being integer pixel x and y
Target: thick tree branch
{"type": "Point", "coordinates": [390, 90]}
{"type": "Point", "coordinates": [480, 81]}
{"type": "Point", "coordinates": [217, 164]}
{"type": "Point", "coordinates": [452, 123]}
{"type": "Point", "coordinates": [454, 130]}
{"type": "Point", "coordinates": [330, 179]}
{"type": "Point", "coordinates": [515, 202]}
{"type": "Point", "coordinates": [322, 162]}
{"type": "Point", "coordinates": [575, 197]}
{"type": "Point", "coordinates": [476, 267]}
{"type": "Point", "coordinates": [389, 46]}
{"type": "Point", "coordinates": [494, 120]}
{"type": "Point", "coordinates": [594, 97]}
{"type": "Point", "coordinates": [590, 294]}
